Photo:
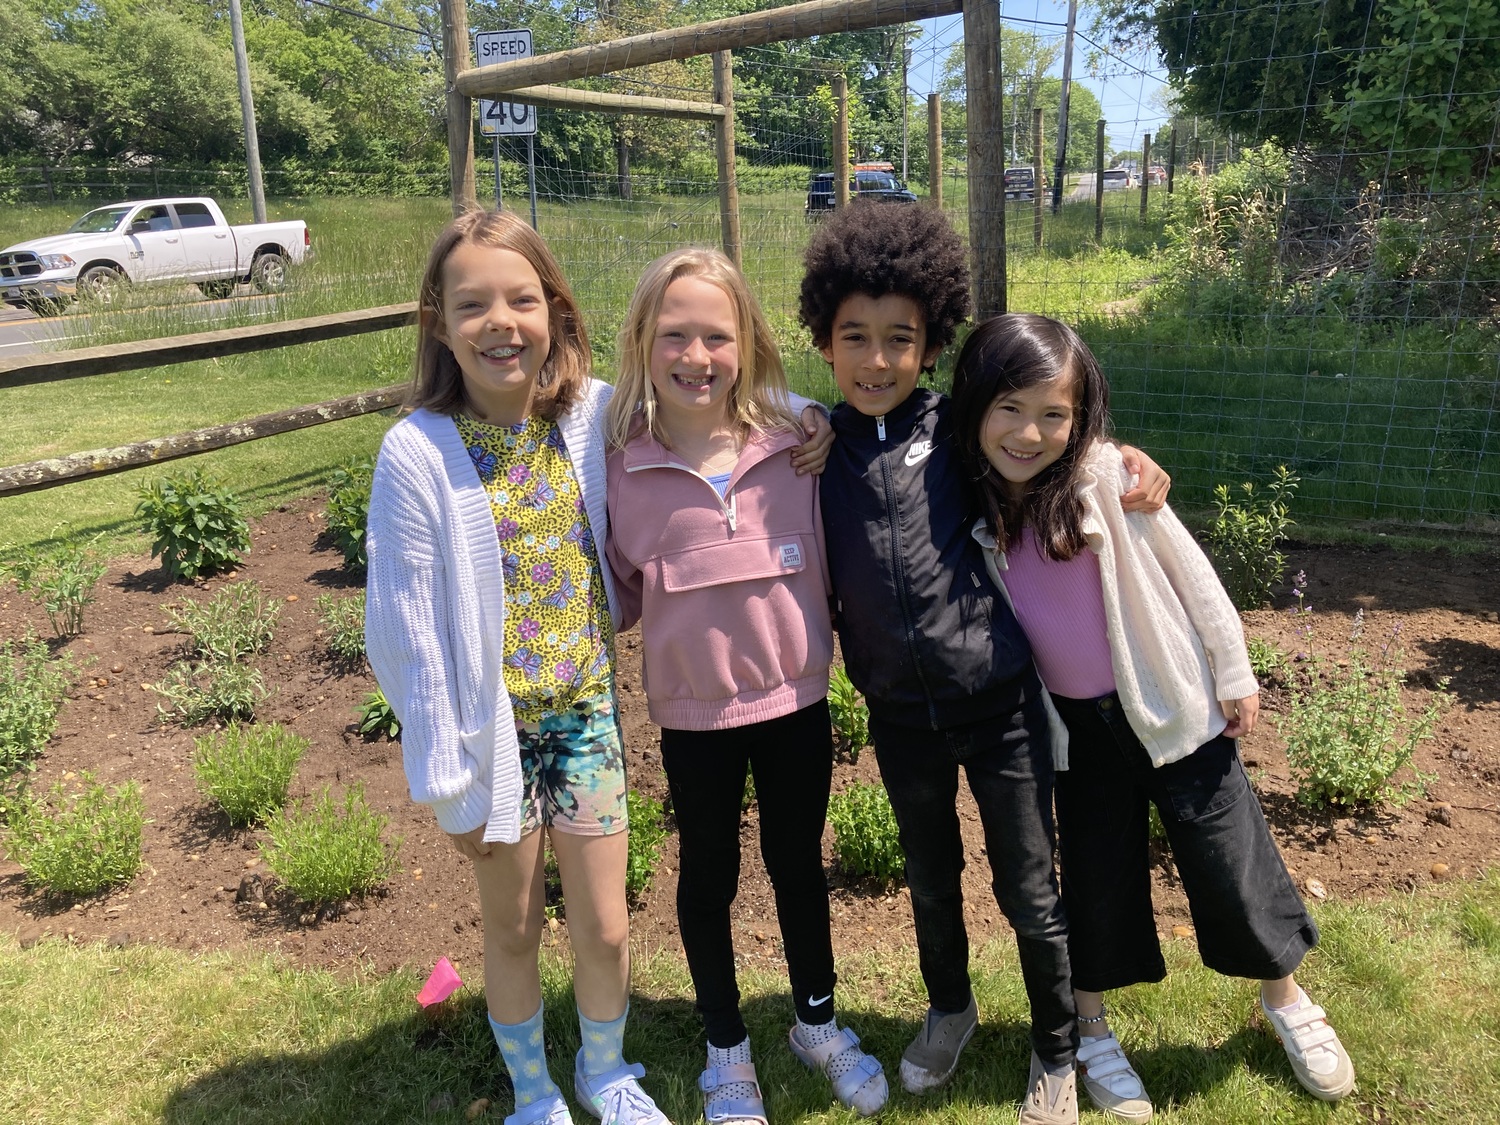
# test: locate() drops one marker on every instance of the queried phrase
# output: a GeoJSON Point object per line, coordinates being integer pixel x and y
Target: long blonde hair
{"type": "Point", "coordinates": [757, 400]}
{"type": "Point", "coordinates": [437, 383]}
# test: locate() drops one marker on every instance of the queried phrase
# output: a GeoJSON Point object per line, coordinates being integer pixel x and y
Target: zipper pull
{"type": "Point", "coordinates": [729, 510]}
{"type": "Point", "coordinates": [880, 427]}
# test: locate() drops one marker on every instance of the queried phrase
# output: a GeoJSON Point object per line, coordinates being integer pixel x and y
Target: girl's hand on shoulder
{"type": "Point", "coordinates": [470, 845]}
{"type": "Point", "coordinates": [812, 455]}
{"type": "Point", "coordinates": [1241, 714]}
{"type": "Point", "coordinates": [1152, 482]}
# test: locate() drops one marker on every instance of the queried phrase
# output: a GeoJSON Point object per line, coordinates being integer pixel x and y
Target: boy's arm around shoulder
{"type": "Point", "coordinates": [406, 609]}
{"type": "Point", "coordinates": [1202, 595]}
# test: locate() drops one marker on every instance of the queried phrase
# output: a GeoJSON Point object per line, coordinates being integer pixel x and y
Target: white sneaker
{"type": "Point", "coordinates": [1111, 1082]}
{"type": "Point", "coordinates": [1318, 1058]}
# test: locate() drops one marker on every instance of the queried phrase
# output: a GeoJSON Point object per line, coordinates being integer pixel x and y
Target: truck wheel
{"type": "Point", "coordinates": [99, 284]}
{"type": "Point", "coordinates": [268, 274]}
{"type": "Point", "coordinates": [217, 290]}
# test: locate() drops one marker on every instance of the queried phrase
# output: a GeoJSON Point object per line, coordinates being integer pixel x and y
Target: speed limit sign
{"type": "Point", "coordinates": [504, 119]}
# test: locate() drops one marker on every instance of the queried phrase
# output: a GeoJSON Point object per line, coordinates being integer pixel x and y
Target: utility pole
{"type": "Point", "coordinates": [905, 99]}
{"type": "Point", "coordinates": [1062, 113]}
{"type": "Point", "coordinates": [247, 112]}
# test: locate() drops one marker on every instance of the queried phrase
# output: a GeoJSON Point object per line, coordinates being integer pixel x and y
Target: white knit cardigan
{"type": "Point", "coordinates": [1175, 640]}
{"type": "Point", "coordinates": [435, 612]}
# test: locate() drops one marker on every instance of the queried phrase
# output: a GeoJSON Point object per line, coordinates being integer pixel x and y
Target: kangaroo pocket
{"type": "Point", "coordinates": [738, 560]}
{"type": "Point", "coordinates": [742, 616]}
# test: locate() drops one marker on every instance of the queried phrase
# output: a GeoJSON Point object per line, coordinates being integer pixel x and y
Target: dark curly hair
{"type": "Point", "coordinates": [880, 248]}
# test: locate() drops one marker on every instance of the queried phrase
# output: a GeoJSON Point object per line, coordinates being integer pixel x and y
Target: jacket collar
{"type": "Point", "coordinates": [643, 451]}
{"type": "Point", "coordinates": [899, 421]}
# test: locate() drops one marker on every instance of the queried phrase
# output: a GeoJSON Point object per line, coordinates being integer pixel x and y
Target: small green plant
{"type": "Point", "coordinates": [32, 686]}
{"type": "Point", "coordinates": [349, 509]}
{"type": "Point", "coordinates": [247, 771]}
{"type": "Point", "coordinates": [81, 842]}
{"type": "Point", "coordinates": [1347, 733]}
{"type": "Point", "coordinates": [1266, 660]}
{"type": "Point", "coordinates": [376, 717]}
{"type": "Point", "coordinates": [851, 718]}
{"type": "Point", "coordinates": [234, 623]}
{"type": "Point", "coordinates": [210, 689]}
{"type": "Point", "coordinates": [866, 842]}
{"type": "Point", "coordinates": [747, 798]}
{"type": "Point", "coordinates": [195, 524]}
{"type": "Point", "coordinates": [1244, 536]}
{"type": "Point", "coordinates": [60, 579]}
{"type": "Point", "coordinates": [344, 625]}
{"type": "Point", "coordinates": [330, 850]}
{"type": "Point", "coordinates": [646, 838]}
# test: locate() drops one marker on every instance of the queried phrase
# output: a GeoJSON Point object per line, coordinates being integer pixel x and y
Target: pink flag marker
{"type": "Point", "coordinates": [443, 983]}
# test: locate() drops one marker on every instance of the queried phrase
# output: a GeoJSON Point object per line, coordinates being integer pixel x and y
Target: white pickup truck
{"type": "Point", "coordinates": [153, 240]}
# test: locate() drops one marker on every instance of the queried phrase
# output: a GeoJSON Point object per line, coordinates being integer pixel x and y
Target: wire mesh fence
{"type": "Point", "coordinates": [1292, 256]}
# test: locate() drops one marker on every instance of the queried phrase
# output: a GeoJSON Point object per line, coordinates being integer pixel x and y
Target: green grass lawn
{"type": "Point", "coordinates": [142, 1034]}
{"type": "Point", "coordinates": [1391, 425]}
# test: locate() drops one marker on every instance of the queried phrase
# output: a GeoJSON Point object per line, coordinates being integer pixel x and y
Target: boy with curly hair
{"type": "Point", "coordinates": [930, 640]}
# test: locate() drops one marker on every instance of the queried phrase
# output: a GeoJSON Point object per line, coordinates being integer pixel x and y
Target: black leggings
{"type": "Point", "coordinates": [791, 759]}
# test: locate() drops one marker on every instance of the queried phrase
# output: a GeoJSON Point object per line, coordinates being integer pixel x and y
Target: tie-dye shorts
{"type": "Point", "coordinates": [573, 769]}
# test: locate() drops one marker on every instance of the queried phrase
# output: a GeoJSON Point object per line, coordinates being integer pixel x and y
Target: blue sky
{"type": "Point", "coordinates": [1126, 92]}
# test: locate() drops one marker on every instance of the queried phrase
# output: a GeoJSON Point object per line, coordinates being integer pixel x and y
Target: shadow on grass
{"type": "Point", "coordinates": [436, 1064]}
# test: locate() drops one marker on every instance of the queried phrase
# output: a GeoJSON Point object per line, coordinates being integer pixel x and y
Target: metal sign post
{"type": "Point", "coordinates": [531, 173]}
{"type": "Point", "coordinates": [506, 119]}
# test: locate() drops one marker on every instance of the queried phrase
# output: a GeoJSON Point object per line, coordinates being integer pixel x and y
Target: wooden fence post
{"type": "Point", "coordinates": [841, 143]}
{"type": "Point", "coordinates": [935, 149]}
{"type": "Point", "coordinates": [729, 192]}
{"type": "Point", "coordinates": [1145, 174]}
{"type": "Point", "coordinates": [460, 108]}
{"type": "Point", "coordinates": [1099, 181]}
{"type": "Point", "coordinates": [1171, 157]}
{"type": "Point", "coordinates": [1036, 176]}
{"type": "Point", "coordinates": [986, 137]}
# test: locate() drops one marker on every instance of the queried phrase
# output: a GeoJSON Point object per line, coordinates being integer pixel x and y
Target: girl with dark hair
{"type": "Point", "coordinates": [1145, 660]}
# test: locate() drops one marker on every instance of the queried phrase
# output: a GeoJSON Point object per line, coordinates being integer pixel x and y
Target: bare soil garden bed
{"type": "Point", "coordinates": [194, 862]}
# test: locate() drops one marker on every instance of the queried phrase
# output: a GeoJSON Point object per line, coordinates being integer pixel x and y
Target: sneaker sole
{"type": "Point", "coordinates": [929, 1081]}
{"type": "Point", "coordinates": [1115, 1111]}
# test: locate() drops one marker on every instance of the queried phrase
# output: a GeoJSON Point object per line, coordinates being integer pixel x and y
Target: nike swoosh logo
{"type": "Point", "coordinates": [918, 452]}
{"type": "Point", "coordinates": [814, 1001]}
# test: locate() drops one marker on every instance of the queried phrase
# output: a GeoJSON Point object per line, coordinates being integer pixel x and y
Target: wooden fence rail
{"type": "Point", "coordinates": [49, 367]}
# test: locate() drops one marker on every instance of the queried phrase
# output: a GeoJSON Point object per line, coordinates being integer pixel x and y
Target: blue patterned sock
{"type": "Point", "coordinates": [603, 1043]}
{"type": "Point", "coordinates": [525, 1057]}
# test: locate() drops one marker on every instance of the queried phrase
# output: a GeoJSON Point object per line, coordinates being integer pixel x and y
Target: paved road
{"type": "Point", "coordinates": [23, 333]}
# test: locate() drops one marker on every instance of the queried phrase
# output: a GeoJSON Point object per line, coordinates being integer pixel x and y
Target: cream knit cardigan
{"type": "Point", "coordinates": [1175, 640]}
{"type": "Point", "coordinates": [435, 612]}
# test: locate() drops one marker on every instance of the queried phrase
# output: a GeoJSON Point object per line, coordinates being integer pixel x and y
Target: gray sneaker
{"type": "Point", "coordinates": [932, 1056]}
{"type": "Point", "coordinates": [1051, 1099]}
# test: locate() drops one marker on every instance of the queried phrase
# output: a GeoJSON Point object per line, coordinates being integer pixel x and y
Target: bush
{"type": "Point", "coordinates": [349, 509]}
{"type": "Point", "coordinates": [210, 689]}
{"type": "Point", "coordinates": [330, 850]}
{"type": "Point", "coordinates": [376, 717]}
{"type": "Point", "coordinates": [866, 841]}
{"type": "Point", "coordinates": [344, 622]}
{"type": "Point", "coordinates": [247, 771]}
{"type": "Point", "coordinates": [1347, 733]}
{"type": "Point", "coordinates": [60, 579]}
{"type": "Point", "coordinates": [646, 838]}
{"type": "Point", "coordinates": [1244, 536]}
{"type": "Point", "coordinates": [851, 718]}
{"type": "Point", "coordinates": [81, 842]}
{"type": "Point", "coordinates": [32, 687]}
{"type": "Point", "coordinates": [236, 622]}
{"type": "Point", "coordinates": [195, 524]}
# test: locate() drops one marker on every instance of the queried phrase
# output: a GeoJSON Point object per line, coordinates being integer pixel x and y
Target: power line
{"type": "Point", "coordinates": [373, 19]}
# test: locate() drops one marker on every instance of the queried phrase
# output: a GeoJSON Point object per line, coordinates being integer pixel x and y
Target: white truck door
{"type": "Point", "coordinates": [155, 244]}
{"type": "Point", "coordinates": [207, 243]}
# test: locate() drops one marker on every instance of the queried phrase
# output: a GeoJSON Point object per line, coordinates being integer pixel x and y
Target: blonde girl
{"type": "Point", "coordinates": [718, 547]}
{"type": "Point", "coordinates": [1145, 659]}
{"type": "Point", "coordinates": [490, 625]}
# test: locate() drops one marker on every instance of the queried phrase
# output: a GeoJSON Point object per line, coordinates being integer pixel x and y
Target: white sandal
{"type": "Point", "coordinates": [862, 1088]}
{"type": "Point", "coordinates": [731, 1111]}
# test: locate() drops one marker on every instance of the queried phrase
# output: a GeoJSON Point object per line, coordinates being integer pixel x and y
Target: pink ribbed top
{"type": "Point", "coordinates": [1060, 605]}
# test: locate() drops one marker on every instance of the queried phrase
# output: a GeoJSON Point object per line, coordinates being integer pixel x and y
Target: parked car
{"type": "Point", "coordinates": [152, 240]}
{"type": "Point", "coordinates": [1118, 179]}
{"type": "Point", "coordinates": [868, 181]}
{"type": "Point", "coordinates": [1158, 175]}
{"type": "Point", "coordinates": [1020, 182]}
